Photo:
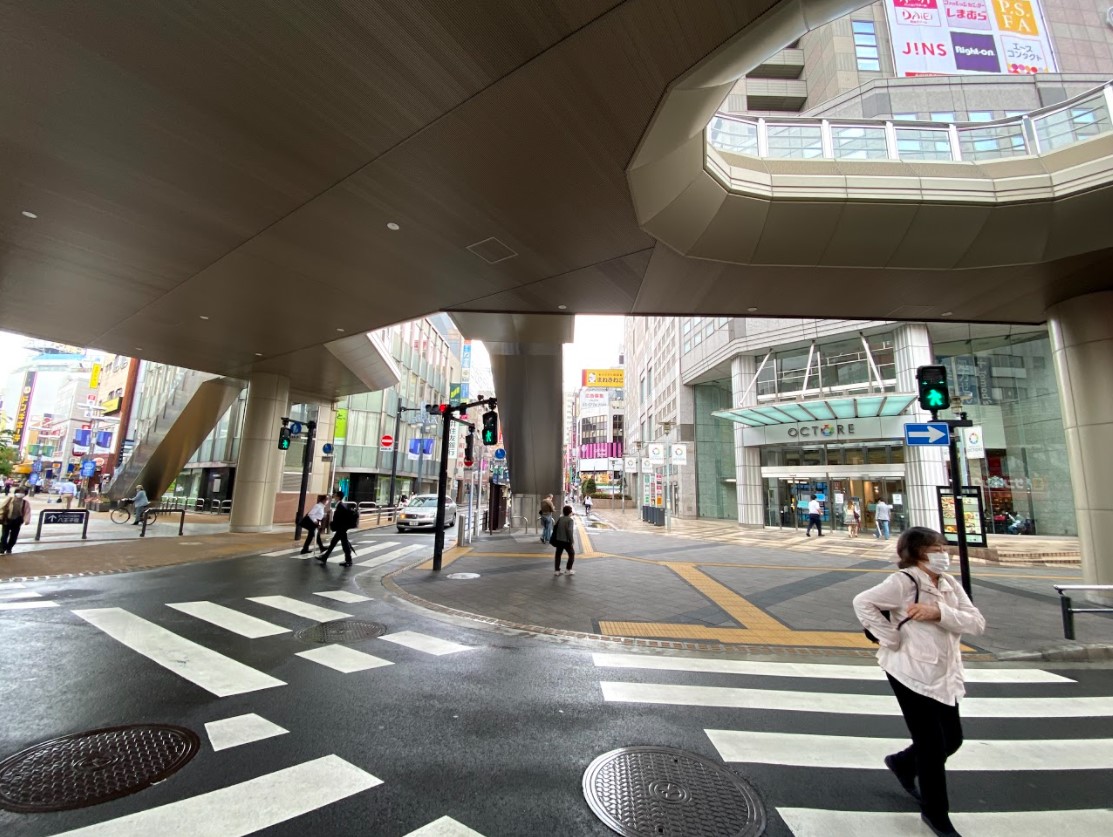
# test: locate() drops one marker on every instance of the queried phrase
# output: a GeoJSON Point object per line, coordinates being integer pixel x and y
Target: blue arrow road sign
{"type": "Point", "coordinates": [932, 433]}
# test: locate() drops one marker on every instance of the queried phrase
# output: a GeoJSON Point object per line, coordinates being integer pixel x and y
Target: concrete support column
{"type": "Point", "coordinates": [924, 467]}
{"type": "Point", "coordinates": [322, 467]}
{"type": "Point", "coordinates": [1081, 332]}
{"type": "Point", "coordinates": [747, 460]}
{"type": "Point", "coordinates": [259, 467]}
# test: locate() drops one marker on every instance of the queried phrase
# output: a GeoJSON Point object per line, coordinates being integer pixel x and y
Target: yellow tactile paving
{"type": "Point", "coordinates": [447, 557]}
{"type": "Point", "coordinates": [736, 636]}
{"type": "Point", "coordinates": [737, 607]}
{"type": "Point", "coordinates": [585, 540]}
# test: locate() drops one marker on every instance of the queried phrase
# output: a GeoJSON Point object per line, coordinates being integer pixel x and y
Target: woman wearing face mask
{"type": "Point", "coordinates": [920, 653]}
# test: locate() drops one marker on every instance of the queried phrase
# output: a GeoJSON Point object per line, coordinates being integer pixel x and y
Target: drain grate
{"type": "Point", "coordinates": [342, 630]}
{"type": "Point", "coordinates": [88, 768]}
{"type": "Point", "coordinates": [655, 791]}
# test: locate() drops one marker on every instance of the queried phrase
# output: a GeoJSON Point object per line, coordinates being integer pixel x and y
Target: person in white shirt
{"type": "Point", "coordinates": [67, 491]}
{"type": "Point", "coordinates": [928, 612]}
{"type": "Point", "coordinates": [881, 515]}
{"type": "Point", "coordinates": [313, 523]}
{"type": "Point", "coordinates": [815, 516]}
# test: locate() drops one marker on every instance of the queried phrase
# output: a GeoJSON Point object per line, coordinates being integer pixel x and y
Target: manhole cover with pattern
{"type": "Point", "coordinates": [88, 768]}
{"type": "Point", "coordinates": [342, 630]}
{"type": "Point", "coordinates": [662, 792]}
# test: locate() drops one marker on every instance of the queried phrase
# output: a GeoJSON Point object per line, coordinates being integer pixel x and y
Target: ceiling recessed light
{"type": "Point", "coordinates": [563, 307]}
{"type": "Point", "coordinates": [947, 314]}
{"type": "Point", "coordinates": [340, 330]}
{"type": "Point", "coordinates": [204, 317]}
{"type": "Point", "coordinates": [258, 354]}
{"type": "Point", "coordinates": [752, 308]}
{"type": "Point", "coordinates": [138, 348]}
{"type": "Point", "coordinates": [393, 227]}
{"type": "Point", "coordinates": [28, 214]}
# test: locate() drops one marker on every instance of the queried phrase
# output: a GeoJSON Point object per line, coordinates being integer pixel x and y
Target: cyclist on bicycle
{"type": "Point", "coordinates": [140, 502]}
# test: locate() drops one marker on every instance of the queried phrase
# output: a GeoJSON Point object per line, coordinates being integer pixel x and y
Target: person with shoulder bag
{"type": "Point", "coordinates": [14, 512]}
{"type": "Point", "coordinates": [918, 617]}
{"type": "Point", "coordinates": [563, 537]}
{"type": "Point", "coordinates": [344, 517]}
{"type": "Point", "coordinates": [548, 509]}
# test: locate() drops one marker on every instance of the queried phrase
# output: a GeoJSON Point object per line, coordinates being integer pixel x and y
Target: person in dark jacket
{"type": "Point", "coordinates": [563, 537]}
{"type": "Point", "coordinates": [344, 517]}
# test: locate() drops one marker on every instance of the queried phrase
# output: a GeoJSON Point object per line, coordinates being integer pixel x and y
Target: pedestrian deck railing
{"type": "Point", "coordinates": [1069, 609]}
{"type": "Point", "coordinates": [807, 138]}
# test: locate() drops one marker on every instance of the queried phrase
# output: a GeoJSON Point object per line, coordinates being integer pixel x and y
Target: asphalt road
{"type": "Point", "coordinates": [495, 736]}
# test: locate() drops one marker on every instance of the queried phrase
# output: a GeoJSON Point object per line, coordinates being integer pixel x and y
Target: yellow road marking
{"type": "Point", "coordinates": [589, 550]}
{"type": "Point", "coordinates": [738, 636]}
{"type": "Point", "coordinates": [738, 608]}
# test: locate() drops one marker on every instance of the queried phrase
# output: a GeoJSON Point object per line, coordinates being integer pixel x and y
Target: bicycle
{"type": "Point", "coordinates": [123, 513]}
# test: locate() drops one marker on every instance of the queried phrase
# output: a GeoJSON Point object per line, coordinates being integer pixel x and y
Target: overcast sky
{"type": "Point", "coordinates": [597, 345]}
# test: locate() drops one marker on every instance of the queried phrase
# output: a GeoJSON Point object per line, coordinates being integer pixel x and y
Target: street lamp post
{"type": "Point", "coordinates": [641, 492]}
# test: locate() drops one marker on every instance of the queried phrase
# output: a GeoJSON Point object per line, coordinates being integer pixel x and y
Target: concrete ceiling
{"type": "Point", "coordinates": [240, 162]}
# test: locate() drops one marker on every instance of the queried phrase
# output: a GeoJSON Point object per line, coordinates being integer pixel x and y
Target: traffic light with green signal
{"type": "Point", "coordinates": [490, 428]}
{"type": "Point", "coordinates": [284, 438]}
{"type": "Point", "coordinates": [932, 385]}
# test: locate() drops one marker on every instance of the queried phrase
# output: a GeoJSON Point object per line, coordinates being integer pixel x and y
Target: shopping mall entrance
{"type": "Point", "coordinates": [786, 500]}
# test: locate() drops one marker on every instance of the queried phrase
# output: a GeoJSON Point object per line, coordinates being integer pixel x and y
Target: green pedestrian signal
{"type": "Point", "coordinates": [490, 428]}
{"type": "Point", "coordinates": [284, 439]}
{"type": "Point", "coordinates": [932, 384]}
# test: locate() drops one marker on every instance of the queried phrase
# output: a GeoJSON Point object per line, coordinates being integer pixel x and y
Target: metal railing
{"type": "Point", "coordinates": [1087, 115]}
{"type": "Point", "coordinates": [1069, 609]}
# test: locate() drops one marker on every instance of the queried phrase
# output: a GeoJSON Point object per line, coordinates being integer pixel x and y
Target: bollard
{"type": "Point", "coordinates": [1068, 616]}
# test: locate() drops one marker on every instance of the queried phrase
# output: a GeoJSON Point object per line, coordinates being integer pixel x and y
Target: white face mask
{"type": "Point", "coordinates": [938, 562]}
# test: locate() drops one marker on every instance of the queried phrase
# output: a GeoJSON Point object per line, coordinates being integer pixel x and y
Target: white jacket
{"type": "Point", "coordinates": [924, 656]}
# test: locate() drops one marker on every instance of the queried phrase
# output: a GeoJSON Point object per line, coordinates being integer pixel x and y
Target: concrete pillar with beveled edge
{"type": "Point", "coordinates": [1081, 331]}
{"type": "Point", "coordinates": [259, 467]}
{"type": "Point", "coordinates": [924, 467]}
{"type": "Point", "coordinates": [749, 487]}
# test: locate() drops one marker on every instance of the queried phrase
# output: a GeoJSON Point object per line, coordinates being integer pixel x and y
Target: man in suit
{"type": "Point", "coordinates": [344, 517]}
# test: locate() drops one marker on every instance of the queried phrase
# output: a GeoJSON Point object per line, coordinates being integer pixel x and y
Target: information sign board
{"type": "Point", "coordinates": [971, 510]}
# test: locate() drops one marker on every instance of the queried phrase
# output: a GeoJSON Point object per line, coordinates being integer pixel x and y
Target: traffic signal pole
{"type": "Point", "coordinates": [442, 481]}
{"type": "Point", "coordinates": [306, 460]}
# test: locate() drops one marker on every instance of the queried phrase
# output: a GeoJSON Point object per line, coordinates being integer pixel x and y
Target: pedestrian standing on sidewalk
{"type": "Point", "coordinates": [815, 516]}
{"type": "Point", "coordinates": [344, 517]}
{"type": "Point", "coordinates": [313, 522]}
{"type": "Point", "coordinates": [14, 512]}
{"type": "Point", "coordinates": [547, 512]}
{"type": "Point", "coordinates": [851, 518]}
{"type": "Point", "coordinates": [881, 515]}
{"type": "Point", "coordinates": [928, 612]}
{"type": "Point", "coordinates": [564, 534]}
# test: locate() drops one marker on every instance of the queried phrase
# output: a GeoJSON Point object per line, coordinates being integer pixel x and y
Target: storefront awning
{"type": "Point", "coordinates": [821, 409]}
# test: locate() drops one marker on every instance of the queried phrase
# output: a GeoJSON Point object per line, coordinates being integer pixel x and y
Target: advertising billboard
{"type": "Point", "coordinates": [25, 394]}
{"type": "Point", "coordinates": [956, 37]}
{"type": "Point", "coordinates": [594, 403]}
{"type": "Point", "coordinates": [608, 378]}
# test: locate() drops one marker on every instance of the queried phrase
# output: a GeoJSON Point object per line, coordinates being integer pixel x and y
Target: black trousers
{"type": "Point", "coordinates": [8, 534]}
{"type": "Point", "coordinates": [816, 521]}
{"type": "Point", "coordinates": [311, 528]}
{"type": "Point", "coordinates": [562, 547]}
{"type": "Point", "coordinates": [936, 732]}
{"type": "Point", "coordinates": [341, 536]}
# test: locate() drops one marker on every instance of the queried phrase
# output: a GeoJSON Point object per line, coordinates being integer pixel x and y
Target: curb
{"type": "Point", "coordinates": [1075, 653]}
{"type": "Point", "coordinates": [631, 642]}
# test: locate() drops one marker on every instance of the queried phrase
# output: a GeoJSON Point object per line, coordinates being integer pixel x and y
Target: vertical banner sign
{"type": "Point", "coordinates": [656, 453]}
{"type": "Point", "coordinates": [974, 442]}
{"type": "Point", "coordinates": [465, 364]}
{"type": "Point", "coordinates": [678, 454]}
{"type": "Point", "coordinates": [94, 376]}
{"type": "Point", "coordinates": [341, 432]}
{"type": "Point", "coordinates": [21, 411]}
{"type": "Point", "coordinates": [948, 37]}
{"type": "Point", "coordinates": [630, 464]}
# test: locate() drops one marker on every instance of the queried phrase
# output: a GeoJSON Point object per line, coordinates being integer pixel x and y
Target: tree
{"type": "Point", "coordinates": [588, 488]}
{"type": "Point", "coordinates": [8, 455]}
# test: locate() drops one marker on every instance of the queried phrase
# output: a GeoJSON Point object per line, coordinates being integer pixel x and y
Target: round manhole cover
{"type": "Point", "coordinates": [463, 576]}
{"type": "Point", "coordinates": [342, 630]}
{"type": "Point", "coordinates": [87, 768]}
{"type": "Point", "coordinates": [656, 791]}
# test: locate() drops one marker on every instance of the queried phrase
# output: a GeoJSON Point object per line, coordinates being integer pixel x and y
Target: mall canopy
{"type": "Point", "coordinates": [821, 409]}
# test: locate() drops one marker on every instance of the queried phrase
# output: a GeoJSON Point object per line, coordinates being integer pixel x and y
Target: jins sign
{"type": "Point", "coordinates": [821, 431]}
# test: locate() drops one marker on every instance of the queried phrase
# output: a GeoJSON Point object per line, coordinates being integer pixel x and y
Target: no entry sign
{"type": "Point", "coordinates": [386, 442]}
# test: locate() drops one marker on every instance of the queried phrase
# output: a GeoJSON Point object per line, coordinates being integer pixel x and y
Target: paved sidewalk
{"type": "Point", "coordinates": [766, 596]}
{"type": "Point", "coordinates": [1007, 550]}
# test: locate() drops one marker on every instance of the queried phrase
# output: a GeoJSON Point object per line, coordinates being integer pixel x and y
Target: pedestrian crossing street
{"type": "Point", "coordinates": [361, 549]}
{"type": "Point", "coordinates": [834, 752]}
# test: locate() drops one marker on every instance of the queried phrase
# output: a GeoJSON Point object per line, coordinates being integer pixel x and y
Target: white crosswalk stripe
{"type": "Point", "coordinates": [13, 595]}
{"type": "Point", "coordinates": [805, 822]}
{"type": "Point", "coordinates": [344, 659]}
{"type": "Point", "coordinates": [444, 827]}
{"type": "Point", "coordinates": [342, 596]}
{"type": "Point", "coordinates": [246, 807]}
{"type": "Point", "coordinates": [303, 609]}
{"type": "Point", "coordinates": [427, 644]}
{"type": "Point", "coordinates": [379, 560]}
{"type": "Point", "coordinates": [848, 704]}
{"type": "Point", "coordinates": [880, 714]}
{"type": "Point", "coordinates": [202, 666]}
{"type": "Point", "coordinates": [231, 620]}
{"type": "Point", "coordinates": [278, 553]}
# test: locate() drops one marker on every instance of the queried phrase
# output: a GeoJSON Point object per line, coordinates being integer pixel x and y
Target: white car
{"type": "Point", "coordinates": [421, 513]}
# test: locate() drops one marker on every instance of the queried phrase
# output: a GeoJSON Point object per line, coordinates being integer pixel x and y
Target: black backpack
{"type": "Point", "coordinates": [886, 613]}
